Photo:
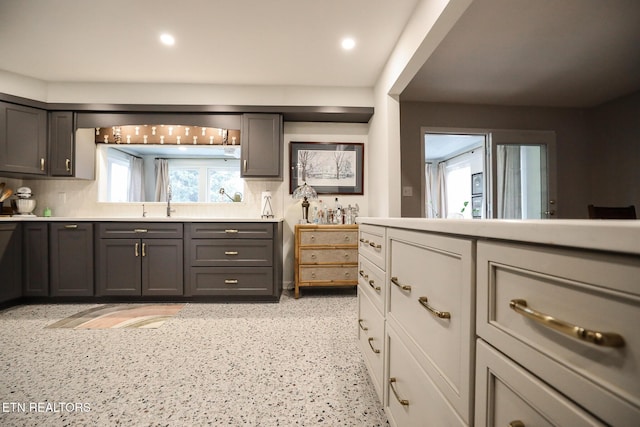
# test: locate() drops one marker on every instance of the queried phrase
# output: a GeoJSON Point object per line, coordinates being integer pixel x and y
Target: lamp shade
{"type": "Point", "coordinates": [305, 191]}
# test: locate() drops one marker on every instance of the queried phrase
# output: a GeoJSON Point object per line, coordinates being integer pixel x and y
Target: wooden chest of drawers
{"type": "Point", "coordinates": [325, 255]}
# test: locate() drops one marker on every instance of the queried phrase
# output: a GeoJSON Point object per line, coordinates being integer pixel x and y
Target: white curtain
{"type": "Point", "coordinates": [430, 208]}
{"type": "Point", "coordinates": [136, 184]}
{"type": "Point", "coordinates": [162, 179]}
{"type": "Point", "coordinates": [509, 182]}
{"type": "Point", "coordinates": [441, 206]}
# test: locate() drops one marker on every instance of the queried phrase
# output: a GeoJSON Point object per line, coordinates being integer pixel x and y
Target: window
{"type": "Point", "coordinates": [118, 176]}
{"type": "Point", "coordinates": [199, 180]}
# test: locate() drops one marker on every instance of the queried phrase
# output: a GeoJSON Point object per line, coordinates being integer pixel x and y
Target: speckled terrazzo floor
{"type": "Point", "coordinates": [295, 363]}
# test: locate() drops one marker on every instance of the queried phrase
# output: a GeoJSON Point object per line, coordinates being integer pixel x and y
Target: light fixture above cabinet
{"type": "Point", "coordinates": [172, 135]}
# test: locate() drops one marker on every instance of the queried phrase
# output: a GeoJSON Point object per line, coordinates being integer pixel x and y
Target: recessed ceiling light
{"type": "Point", "coordinates": [167, 39]}
{"type": "Point", "coordinates": [348, 43]}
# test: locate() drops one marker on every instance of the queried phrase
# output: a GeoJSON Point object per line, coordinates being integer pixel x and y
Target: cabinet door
{"type": "Point", "coordinates": [23, 139]}
{"type": "Point", "coordinates": [71, 257]}
{"type": "Point", "coordinates": [35, 259]}
{"type": "Point", "coordinates": [162, 261]}
{"type": "Point", "coordinates": [10, 262]}
{"type": "Point", "coordinates": [118, 264]}
{"type": "Point", "coordinates": [61, 143]}
{"type": "Point", "coordinates": [261, 146]}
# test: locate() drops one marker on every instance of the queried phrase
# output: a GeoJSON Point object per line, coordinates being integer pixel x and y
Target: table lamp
{"type": "Point", "coordinates": [305, 192]}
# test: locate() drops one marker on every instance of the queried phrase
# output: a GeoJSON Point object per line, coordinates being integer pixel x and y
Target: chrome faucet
{"type": "Point", "coordinates": [169, 210]}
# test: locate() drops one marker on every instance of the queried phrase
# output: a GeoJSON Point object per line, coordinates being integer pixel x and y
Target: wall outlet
{"type": "Point", "coordinates": [407, 191]}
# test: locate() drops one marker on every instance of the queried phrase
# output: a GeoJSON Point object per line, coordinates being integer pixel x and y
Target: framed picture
{"type": "Point", "coordinates": [329, 167]}
{"type": "Point", "coordinates": [476, 206]}
{"type": "Point", "coordinates": [477, 186]}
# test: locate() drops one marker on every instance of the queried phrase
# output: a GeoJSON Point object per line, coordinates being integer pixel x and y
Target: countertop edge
{"type": "Point", "coordinates": [133, 219]}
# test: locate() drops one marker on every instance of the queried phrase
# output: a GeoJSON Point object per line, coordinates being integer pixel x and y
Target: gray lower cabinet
{"type": "Point", "coordinates": [234, 259]}
{"type": "Point", "coordinates": [35, 259]}
{"type": "Point", "coordinates": [23, 139]}
{"type": "Point", "coordinates": [262, 145]}
{"type": "Point", "coordinates": [140, 259]}
{"type": "Point", "coordinates": [71, 259]}
{"type": "Point", "coordinates": [10, 261]}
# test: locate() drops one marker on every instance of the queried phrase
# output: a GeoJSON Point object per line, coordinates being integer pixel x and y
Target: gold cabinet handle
{"type": "Point", "coordinates": [313, 256]}
{"type": "Point", "coordinates": [365, 241]}
{"type": "Point", "coordinates": [140, 230]}
{"type": "Point", "coordinates": [347, 274]}
{"type": "Point", "coordinates": [347, 255]}
{"type": "Point", "coordinates": [231, 281]}
{"type": "Point", "coordinates": [516, 423]}
{"type": "Point", "coordinates": [42, 164]}
{"type": "Point", "coordinates": [231, 252]}
{"type": "Point", "coordinates": [403, 402]}
{"type": "Point", "coordinates": [231, 231]}
{"type": "Point", "coordinates": [374, 245]}
{"type": "Point", "coordinates": [375, 350]}
{"type": "Point", "coordinates": [372, 284]}
{"type": "Point", "coordinates": [394, 280]}
{"type": "Point", "coordinates": [67, 164]}
{"type": "Point", "coordinates": [135, 250]}
{"type": "Point", "coordinates": [71, 226]}
{"type": "Point", "coordinates": [144, 249]}
{"type": "Point", "coordinates": [365, 276]}
{"type": "Point", "coordinates": [441, 314]}
{"type": "Point", "coordinates": [364, 328]}
{"type": "Point", "coordinates": [604, 339]}
{"type": "Point", "coordinates": [347, 238]}
{"type": "Point", "coordinates": [244, 165]}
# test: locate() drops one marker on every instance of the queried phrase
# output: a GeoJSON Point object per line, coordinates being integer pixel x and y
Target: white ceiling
{"type": "Point", "coordinates": [233, 42]}
{"type": "Point", "coordinates": [573, 53]}
{"type": "Point", "coordinates": [567, 53]}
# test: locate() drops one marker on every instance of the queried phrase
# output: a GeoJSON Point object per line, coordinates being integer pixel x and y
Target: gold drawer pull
{"type": "Point", "coordinates": [403, 402]}
{"type": "Point", "coordinates": [67, 164]}
{"type": "Point", "coordinates": [42, 164]}
{"type": "Point", "coordinates": [140, 230]}
{"type": "Point", "coordinates": [516, 423]}
{"type": "Point", "coordinates": [230, 281]}
{"type": "Point", "coordinates": [365, 276]}
{"type": "Point", "coordinates": [144, 249]}
{"type": "Point", "coordinates": [313, 237]}
{"type": "Point", "coordinates": [346, 255]}
{"type": "Point", "coordinates": [604, 339]}
{"type": "Point", "coordinates": [375, 350]}
{"type": "Point", "coordinates": [231, 231]}
{"type": "Point", "coordinates": [347, 237]}
{"type": "Point", "coordinates": [376, 288]}
{"type": "Point", "coordinates": [375, 246]}
{"type": "Point", "coordinates": [135, 249]}
{"type": "Point", "coordinates": [441, 314]}
{"type": "Point", "coordinates": [313, 256]}
{"type": "Point", "coordinates": [231, 252]}
{"type": "Point", "coordinates": [365, 241]}
{"type": "Point", "coordinates": [347, 274]}
{"type": "Point", "coordinates": [364, 328]}
{"type": "Point", "coordinates": [71, 226]}
{"type": "Point", "coordinates": [394, 280]}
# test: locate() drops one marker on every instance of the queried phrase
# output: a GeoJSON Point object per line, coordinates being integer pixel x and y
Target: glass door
{"type": "Point", "coordinates": [523, 182]}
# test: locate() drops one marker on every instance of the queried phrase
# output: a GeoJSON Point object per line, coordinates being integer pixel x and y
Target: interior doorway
{"type": "Point", "coordinates": [489, 174]}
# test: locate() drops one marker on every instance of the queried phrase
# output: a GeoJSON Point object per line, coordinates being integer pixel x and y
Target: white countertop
{"type": "Point", "coordinates": [135, 219]}
{"type": "Point", "coordinates": [603, 235]}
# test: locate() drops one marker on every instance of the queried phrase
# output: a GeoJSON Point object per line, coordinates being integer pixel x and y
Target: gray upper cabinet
{"type": "Point", "coordinates": [262, 146]}
{"type": "Point", "coordinates": [71, 154]}
{"type": "Point", "coordinates": [23, 139]}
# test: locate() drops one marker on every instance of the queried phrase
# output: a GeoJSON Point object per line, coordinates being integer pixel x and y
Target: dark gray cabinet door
{"type": "Point", "coordinates": [10, 261]}
{"type": "Point", "coordinates": [35, 259]}
{"type": "Point", "coordinates": [162, 267]}
{"type": "Point", "coordinates": [61, 143]}
{"type": "Point", "coordinates": [71, 259]}
{"type": "Point", "coordinates": [261, 145]}
{"type": "Point", "coordinates": [23, 139]}
{"type": "Point", "coordinates": [119, 267]}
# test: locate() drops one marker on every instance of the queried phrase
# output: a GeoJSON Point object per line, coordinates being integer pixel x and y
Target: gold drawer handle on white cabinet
{"type": "Point", "coordinates": [365, 276]}
{"type": "Point", "coordinates": [424, 301]}
{"type": "Point", "coordinates": [604, 339]}
{"type": "Point", "coordinates": [516, 423]}
{"type": "Point", "coordinates": [364, 328]}
{"type": "Point", "coordinates": [365, 241]}
{"type": "Point", "coordinates": [374, 245]}
{"type": "Point", "coordinates": [372, 284]}
{"type": "Point", "coordinates": [403, 402]}
{"type": "Point", "coordinates": [231, 281]}
{"type": "Point", "coordinates": [375, 350]}
{"type": "Point", "coordinates": [394, 280]}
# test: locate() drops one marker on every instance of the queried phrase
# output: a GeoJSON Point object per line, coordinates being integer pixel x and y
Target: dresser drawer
{"type": "Point", "coordinates": [598, 292]}
{"type": "Point", "coordinates": [328, 237]}
{"type": "Point", "coordinates": [329, 274]}
{"type": "Point", "coordinates": [430, 298]}
{"type": "Point", "coordinates": [230, 230]}
{"type": "Point", "coordinates": [372, 282]}
{"type": "Point", "coordinates": [373, 245]}
{"type": "Point", "coordinates": [231, 252]}
{"type": "Point", "coordinates": [371, 339]}
{"type": "Point", "coordinates": [143, 230]}
{"type": "Point", "coordinates": [413, 398]}
{"type": "Point", "coordinates": [231, 281]}
{"type": "Point", "coordinates": [310, 255]}
{"type": "Point", "coordinates": [506, 393]}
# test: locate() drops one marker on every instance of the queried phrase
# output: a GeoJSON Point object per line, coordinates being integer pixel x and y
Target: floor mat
{"type": "Point", "coordinates": [116, 316]}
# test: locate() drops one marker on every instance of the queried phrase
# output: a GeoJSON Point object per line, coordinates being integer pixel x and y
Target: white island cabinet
{"type": "Point", "coordinates": [490, 322]}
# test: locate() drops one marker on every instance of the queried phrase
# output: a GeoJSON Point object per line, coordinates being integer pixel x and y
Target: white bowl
{"type": "Point", "coordinates": [25, 206]}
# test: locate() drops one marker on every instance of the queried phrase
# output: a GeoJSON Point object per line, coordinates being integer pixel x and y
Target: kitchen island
{"type": "Point", "coordinates": [496, 322]}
